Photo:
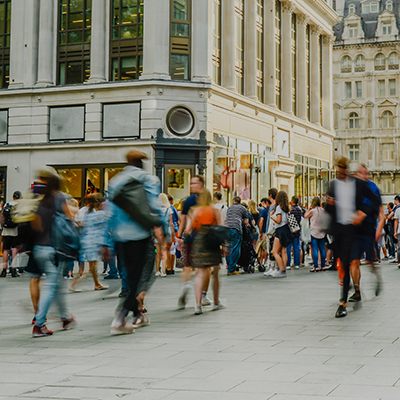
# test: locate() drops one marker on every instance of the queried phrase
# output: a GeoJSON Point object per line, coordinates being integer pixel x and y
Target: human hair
{"type": "Point", "coordinates": [264, 200]}
{"type": "Point", "coordinates": [94, 200]}
{"type": "Point", "coordinates": [273, 193]}
{"type": "Point", "coordinates": [391, 205]}
{"type": "Point", "coordinates": [316, 202]}
{"type": "Point", "coordinates": [163, 199]}
{"type": "Point", "coordinates": [282, 200]}
{"type": "Point", "coordinates": [200, 178]}
{"type": "Point", "coordinates": [252, 207]}
{"type": "Point", "coordinates": [268, 201]}
{"type": "Point", "coordinates": [295, 200]}
{"type": "Point", "coordinates": [170, 197]}
{"type": "Point", "coordinates": [16, 195]}
{"type": "Point", "coordinates": [218, 196]}
{"type": "Point", "coordinates": [237, 199]}
{"type": "Point", "coordinates": [244, 204]}
{"type": "Point", "coordinates": [205, 198]}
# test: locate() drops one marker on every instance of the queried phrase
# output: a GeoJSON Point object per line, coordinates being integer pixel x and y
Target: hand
{"type": "Point", "coordinates": [395, 235]}
{"type": "Point", "coordinates": [330, 201]}
{"type": "Point", "coordinates": [358, 219]}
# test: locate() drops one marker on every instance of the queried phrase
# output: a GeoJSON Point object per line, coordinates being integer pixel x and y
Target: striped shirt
{"type": "Point", "coordinates": [234, 217]}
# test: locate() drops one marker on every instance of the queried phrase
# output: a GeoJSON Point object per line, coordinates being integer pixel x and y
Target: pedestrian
{"type": "Point", "coordinates": [255, 220]}
{"type": "Point", "coordinates": [262, 226]}
{"type": "Point", "coordinates": [220, 206]}
{"type": "Point", "coordinates": [171, 255]}
{"type": "Point", "coordinates": [391, 218]}
{"type": "Point", "coordinates": [295, 243]}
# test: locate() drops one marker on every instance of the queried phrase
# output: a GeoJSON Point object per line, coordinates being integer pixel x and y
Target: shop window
{"type": "Point", "coordinates": [74, 36]}
{"type": "Point", "coordinates": [5, 29]}
{"type": "Point", "coordinates": [67, 123]}
{"type": "Point", "coordinates": [72, 181]}
{"type": "Point", "coordinates": [126, 45]}
{"type": "Point", "coordinates": [121, 120]}
{"type": "Point", "coordinates": [3, 126]}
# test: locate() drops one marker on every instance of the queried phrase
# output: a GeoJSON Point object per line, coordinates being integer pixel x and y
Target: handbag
{"type": "Point", "coordinates": [218, 234]}
{"type": "Point", "coordinates": [292, 222]}
{"type": "Point", "coordinates": [132, 198]}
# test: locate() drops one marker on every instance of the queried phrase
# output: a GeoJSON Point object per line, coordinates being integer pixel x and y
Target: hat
{"type": "Point", "coordinates": [397, 197]}
{"type": "Point", "coordinates": [47, 173]}
{"type": "Point", "coordinates": [136, 155]}
{"type": "Point", "coordinates": [343, 162]}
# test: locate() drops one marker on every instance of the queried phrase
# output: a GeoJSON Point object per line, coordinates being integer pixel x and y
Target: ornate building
{"type": "Point", "coordinates": [240, 90]}
{"type": "Point", "coordinates": [366, 88]}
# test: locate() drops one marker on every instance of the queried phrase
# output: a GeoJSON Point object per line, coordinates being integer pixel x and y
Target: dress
{"type": "Point", "coordinates": [92, 235]}
{"type": "Point", "coordinates": [202, 255]}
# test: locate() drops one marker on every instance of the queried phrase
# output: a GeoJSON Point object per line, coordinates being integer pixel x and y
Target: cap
{"type": "Point", "coordinates": [47, 172]}
{"type": "Point", "coordinates": [342, 162]}
{"type": "Point", "coordinates": [17, 194]}
{"type": "Point", "coordinates": [136, 155]}
{"type": "Point", "coordinates": [397, 197]}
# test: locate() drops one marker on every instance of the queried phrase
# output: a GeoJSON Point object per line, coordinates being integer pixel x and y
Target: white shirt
{"type": "Point", "coordinates": [223, 209]}
{"type": "Point", "coordinates": [397, 216]}
{"type": "Point", "coordinates": [81, 214]}
{"type": "Point", "coordinates": [279, 211]}
{"type": "Point", "coordinates": [345, 197]}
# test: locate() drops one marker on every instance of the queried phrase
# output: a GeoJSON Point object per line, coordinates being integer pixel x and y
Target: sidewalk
{"type": "Point", "coordinates": [277, 339]}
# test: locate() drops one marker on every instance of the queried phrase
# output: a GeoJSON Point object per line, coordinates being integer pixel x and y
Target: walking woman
{"type": "Point", "coordinates": [283, 236]}
{"type": "Point", "coordinates": [317, 234]}
{"type": "Point", "coordinates": [204, 255]}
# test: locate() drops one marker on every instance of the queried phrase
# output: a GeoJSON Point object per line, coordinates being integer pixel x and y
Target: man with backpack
{"type": "Point", "coordinates": [10, 236]}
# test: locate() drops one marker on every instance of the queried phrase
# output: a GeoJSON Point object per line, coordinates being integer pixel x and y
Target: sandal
{"type": "Point", "coordinates": [318, 269]}
{"type": "Point", "coordinates": [312, 270]}
{"type": "Point", "coordinates": [101, 287]}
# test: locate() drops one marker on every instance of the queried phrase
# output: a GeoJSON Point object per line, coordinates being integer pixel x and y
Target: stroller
{"type": "Point", "coordinates": [248, 257]}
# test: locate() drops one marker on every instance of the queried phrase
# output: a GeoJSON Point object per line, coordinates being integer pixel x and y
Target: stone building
{"type": "Point", "coordinates": [239, 90]}
{"type": "Point", "coordinates": [366, 88]}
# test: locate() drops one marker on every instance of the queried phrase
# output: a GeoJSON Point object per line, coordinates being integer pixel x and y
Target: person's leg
{"type": "Point", "coordinates": [60, 293]}
{"type": "Point", "coordinates": [199, 283]}
{"type": "Point", "coordinates": [6, 254]}
{"type": "Point", "coordinates": [121, 269]}
{"type": "Point", "coordinates": [216, 284]}
{"type": "Point", "coordinates": [207, 278]}
{"type": "Point", "coordinates": [284, 258]}
{"type": "Point", "coordinates": [34, 288]}
{"type": "Point", "coordinates": [234, 254]}
{"type": "Point", "coordinates": [289, 254]}
{"type": "Point", "coordinates": [275, 251]}
{"type": "Point", "coordinates": [321, 246]}
{"type": "Point", "coordinates": [93, 270]}
{"type": "Point", "coordinates": [14, 252]}
{"type": "Point", "coordinates": [345, 250]}
{"type": "Point", "coordinates": [112, 271]}
{"type": "Point", "coordinates": [164, 259]}
{"type": "Point", "coordinates": [296, 251]}
{"type": "Point", "coordinates": [314, 248]}
{"type": "Point", "coordinates": [81, 268]}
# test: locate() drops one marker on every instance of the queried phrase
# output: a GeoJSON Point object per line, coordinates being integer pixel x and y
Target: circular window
{"type": "Point", "coordinates": [180, 121]}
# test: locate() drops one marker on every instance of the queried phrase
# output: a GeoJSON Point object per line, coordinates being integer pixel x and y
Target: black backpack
{"type": "Point", "coordinates": [6, 219]}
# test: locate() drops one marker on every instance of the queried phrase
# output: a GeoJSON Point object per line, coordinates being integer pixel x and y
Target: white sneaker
{"type": "Point", "coordinates": [289, 267]}
{"type": "Point", "coordinates": [279, 274]}
{"type": "Point", "coordinates": [140, 320]}
{"type": "Point", "coordinates": [158, 273]}
{"type": "Point", "coordinates": [205, 301]}
{"type": "Point", "coordinates": [296, 267]}
{"type": "Point", "coordinates": [218, 306]}
{"type": "Point", "coordinates": [198, 310]}
{"type": "Point", "coordinates": [163, 275]}
{"type": "Point", "coordinates": [269, 272]}
{"type": "Point", "coordinates": [183, 296]}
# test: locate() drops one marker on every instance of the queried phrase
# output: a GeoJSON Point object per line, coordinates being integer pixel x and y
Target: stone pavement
{"type": "Point", "coordinates": [277, 339]}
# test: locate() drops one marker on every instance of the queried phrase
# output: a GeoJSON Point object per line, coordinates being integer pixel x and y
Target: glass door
{"type": "Point", "coordinates": [177, 181]}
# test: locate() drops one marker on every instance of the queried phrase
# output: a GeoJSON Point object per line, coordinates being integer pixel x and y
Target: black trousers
{"type": "Point", "coordinates": [135, 256]}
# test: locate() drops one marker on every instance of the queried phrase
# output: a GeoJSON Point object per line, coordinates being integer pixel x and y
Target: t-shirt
{"type": "Point", "coordinates": [397, 216]}
{"type": "Point", "coordinates": [223, 209]}
{"type": "Point", "coordinates": [175, 218]}
{"type": "Point", "coordinates": [279, 211]}
{"type": "Point", "coordinates": [235, 216]}
{"type": "Point", "coordinates": [189, 203]}
{"type": "Point", "coordinates": [368, 226]}
{"type": "Point", "coordinates": [264, 214]}
{"type": "Point", "coordinates": [316, 223]}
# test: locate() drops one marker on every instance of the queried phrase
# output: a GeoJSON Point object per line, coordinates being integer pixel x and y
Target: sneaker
{"type": "Point", "coordinates": [123, 294]}
{"type": "Point", "coordinates": [140, 320]}
{"type": "Point", "coordinates": [158, 273]}
{"type": "Point", "coordinates": [198, 310]}
{"type": "Point", "coordinates": [41, 331]}
{"type": "Point", "coordinates": [218, 306]}
{"type": "Point", "coordinates": [269, 272]}
{"type": "Point", "coordinates": [183, 297]}
{"type": "Point", "coordinates": [355, 298]}
{"type": "Point", "coordinates": [394, 261]}
{"type": "Point", "coordinates": [205, 301]}
{"type": "Point", "coordinates": [3, 273]}
{"type": "Point", "coordinates": [279, 274]}
{"type": "Point", "coordinates": [288, 267]}
{"type": "Point", "coordinates": [390, 258]}
{"type": "Point", "coordinates": [123, 329]}
{"type": "Point", "coordinates": [34, 320]}
{"type": "Point", "coordinates": [163, 275]}
{"type": "Point", "coordinates": [296, 267]}
{"type": "Point", "coordinates": [234, 273]}
{"type": "Point", "coordinates": [341, 312]}
{"type": "Point", "coordinates": [68, 323]}
{"type": "Point", "coordinates": [14, 273]}
{"type": "Point", "coordinates": [111, 277]}
{"type": "Point", "coordinates": [170, 272]}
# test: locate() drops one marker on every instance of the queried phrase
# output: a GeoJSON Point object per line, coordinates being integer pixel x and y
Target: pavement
{"type": "Point", "coordinates": [277, 339]}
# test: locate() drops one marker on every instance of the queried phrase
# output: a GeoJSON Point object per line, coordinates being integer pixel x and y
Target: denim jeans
{"type": "Point", "coordinates": [51, 289]}
{"type": "Point", "coordinates": [120, 266]}
{"type": "Point", "coordinates": [234, 254]}
{"type": "Point", "coordinates": [295, 243]}
{"type": "Point", "coordinates": [113, 268]}
{"type": "Point", "coordinates": [318, 244]}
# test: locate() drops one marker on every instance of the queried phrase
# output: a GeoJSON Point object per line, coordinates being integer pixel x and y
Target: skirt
{"type": "Point", "coordinates": [202, 255]}
{"type": "Point", "coordinates": [284, 235]}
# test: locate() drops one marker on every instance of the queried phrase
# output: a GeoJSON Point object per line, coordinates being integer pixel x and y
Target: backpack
{"type": "Point", "coordinates": [65, 236]}
{"type": "Point", "coordinates": [6, 220]}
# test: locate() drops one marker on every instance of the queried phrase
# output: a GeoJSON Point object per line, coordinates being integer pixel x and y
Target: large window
{"type": "Point", "coordinates": [180, 39]}
{"type": "Point", "coordinates": [278, 53]}
{"type": "Point", "coordinates": [380, 62]}
{"type": "Point", "coordinates": [359, 89]}
{"type": "Point", "coordinates": [381, 88]}
{"type": "Point", "coordinates": [386, 28]}
{"type": "Point", "coordinates": [126, 46]}
{"type": "Point", "coordinates": [387, 152]}
{"type": "Point", "coordinates": [260, 49]}
{"type": "Point", "coordinates": [5, 26]}
{"type": "Point", "coordinates": [67, 123]}
{"type": "Point", "coordinates": [392, 87]}
{"type": "Point", "coordinates": [360, 63]}
{"type": "Point", "coordinates": [239, 45]}
{"type": "Point", "coordinates": [393, 60]}
{"type": "Point", "coordinates": [387, 119]}
{"type": "Point", "coordinates": [216, 46]}
{"type": "Point", "coordinates": [75, 18]}
{"type": "Point", "coordinates": [370, 8]}
{"type": "Point", "coordinates": [353, 121]}
{"type": "Point", "coordinates": [353, 31]}
{"type": "Point", "coordinates": [354, 152]}
{"type": "Point", "coordinates": [346, 64]}
{"type": "Point", "coordinates": [347, 86]}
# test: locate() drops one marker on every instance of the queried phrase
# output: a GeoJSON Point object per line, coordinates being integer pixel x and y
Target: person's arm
{"type": "Point", "coordinates": [391, 215]}
{"type": "Point", "coordinates": [278, 218]}
{"type": "Point", "coordinates": [381, 223]}
{"type": "Point", "coordinates": [171, 223]}
{"type": "Point", "coordinates": [396, 224]}
{"type": "Point", "coordinates": [309, 213]}
{"type": "Point", "coordinates": [182, 225]}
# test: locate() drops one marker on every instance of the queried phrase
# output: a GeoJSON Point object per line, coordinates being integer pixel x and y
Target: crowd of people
{"type": "Point", "coordinates": [140, 234]}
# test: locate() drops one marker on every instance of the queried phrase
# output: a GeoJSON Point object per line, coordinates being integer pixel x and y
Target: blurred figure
{"type": "Point", "coordinates": [263, 227]}
{"type": "Point", "coordinates": [390, 233]}
{"type": "Point", "coordinates": [255, 220]}
{"type": "Point", "coordinates": [295, 243]}
{"type": "Point", "coordinates": [220, 206]}
{"type": "Point", "coordinates": [171, 255]}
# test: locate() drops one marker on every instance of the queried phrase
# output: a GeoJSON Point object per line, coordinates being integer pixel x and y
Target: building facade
{"type": "Point", "coordinates": [367, 89]}
{"type": "Point", "coordinates": [239, 90]}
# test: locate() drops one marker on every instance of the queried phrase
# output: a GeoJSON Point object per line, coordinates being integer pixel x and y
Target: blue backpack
{"type": "Point", "coordinates": [65, 236]}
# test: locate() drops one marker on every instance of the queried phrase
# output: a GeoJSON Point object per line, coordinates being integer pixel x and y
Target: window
{"type": "Point", "coordinates": [346, 64]}
{"type": "Point", "coordinates": [386, 28]}
{"type": "Point", "coordinates": [5, 27]}
{"type": "Point", "coordinates": [353, 121]}
{"type": "Point", "coordinates": [216, 38]}
{"type": "Point", "coordinates": [360, 63]}
{"type": "Point", "coordinates": [126, 44]}
{"type": "Point", "coordinates": [392, 87]}
{"type": "Point", "coordinates": [370, 8]}
{"type": "Point", "coordinates": [380, 62]}
{"type": "Point", "coordinates": [393, 60]}
{"type": "Point", "coordinates": [347, 86]}
{"type": "Point", "coordinates": [352, 9]}
{"type": "Point", "coordinates": [180, 39]}
{"type": "Point", "coordinates": [239, 44]}
{"type": "Point", "coordinates": [386, 186]}
{"type": "Point", "coordinates": [358, 89]}
{"type": "Point", "coordinates": [353, 31]}
{"type": "Point", "coordinates": [381, 88]}
{"type": "Point", "coordinates": [75, 19]}
{"type": "Point", "coordinates": [121, 120]}
{"type": "Point", "coordinates": [294, 64]}
{"type": "Point", "coordinates": [260, 49]}
{"type": "Point", "coordinates": [389, 6]}
{"type": "Point", "coordinates": [278, 53]}
{"type": "Point", "coordinates": [387, 152]}
{"type": "Point", "coordinates": [387, 119]}
{"type": "Point", "coordinates": [67, 123]}
{"type": "Point", "coordinates": [354, 152]}
{"type": "Point", "coordinates": [3, 128]}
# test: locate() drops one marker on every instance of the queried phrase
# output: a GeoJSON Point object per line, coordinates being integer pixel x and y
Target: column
{"type": "Point", "coordinates": [269, 53]}
{"type": "Point", "coordinates": [228, 45]}
{"type": "Point", "coordinates": [17, 45]}
{"type": "Point", "coordinates": [201, 40]}
{"type": "Point", "coordinates": [250, 49]}
{"type": "Point", "coordinates": [46, 43]}
{"type": "Point", "coordinates": [302, 22]}
{"type": "Point", "coordinates": [327, 43]}
{"type": "Point", "coordinates": [314, 79]}
{"type": "Point", "coordinates": [286, 65]}
{"type": "Point", "coordinates": [98, 42]}
{"type": "Point", "coordinates": [156, 39]}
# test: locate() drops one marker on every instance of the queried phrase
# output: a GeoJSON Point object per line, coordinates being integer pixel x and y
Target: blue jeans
{"type": "Point", "coordinates": [234, 254]}
{"type": "Point", "coordinates": [318, 244]}
{"type": "Point", "coordinates": [113, 268]}
{"type": "Point", "coordinates": [51, 289]}
{"type": "Point", "coordinates": [295, 243]}
{"type": "Point", "coordinates": [121, 268]}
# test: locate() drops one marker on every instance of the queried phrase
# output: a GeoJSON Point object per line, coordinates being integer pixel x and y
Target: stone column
{"type": "Point", "coordinates": [286, 65]}
{"type": "Point", "coordinates": [314, 79]}
{"type": "Point", "coordinates": [46, 44]}
{"type": "Point", "coordinates": [98, 42]}
{"type": "Point", "coordinates": [302, 22]}
{"type": "Point", "coordinates": [269, 53]}
{"type": "Point", "coordinates": [228, 45]}
{"type": "Point", "coordinates": [156, 30]}
{"type": "Point", "coordinates": [250, 49]}
{"type": "Point", "coordinates": [17, 45]}
{"type": "Point", "coordinates": [327, 43]}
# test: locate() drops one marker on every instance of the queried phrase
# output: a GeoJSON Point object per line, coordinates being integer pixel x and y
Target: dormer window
{"type": "Point", "coordinates": [389, 6]}
{"type": "Point", "coordinates": [353, 31]}
{"type": "Point", "coordinates": [386, 28]}
{"type": "Point", "coordinates": [370, 8]}
{"type": "Point", "coordinates": [352, 9]}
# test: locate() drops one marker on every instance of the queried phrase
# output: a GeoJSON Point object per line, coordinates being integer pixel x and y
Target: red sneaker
{"type": "Point", "coordinates": [41, 331]}
{"type": "Point", "coordinates": [68, 323]}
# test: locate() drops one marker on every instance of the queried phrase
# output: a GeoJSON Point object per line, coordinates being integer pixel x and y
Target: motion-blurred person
{"type": "Point", "coordinates": [171, 255]}
{"type": "Point", "coordinates": [45, 254]}
{"type": "Point", "coordinates": [391, 217]}
{"type": "Point", "coordinates": [295, 243]}
{"type": "Point", "coordinates": [255, 220]}
{"type": "Point", "coordinates": [219, 205]}
{"type": "Point", "coordinates": [263, 227]}
{"type": "Point", "coordinates": [389, 229]}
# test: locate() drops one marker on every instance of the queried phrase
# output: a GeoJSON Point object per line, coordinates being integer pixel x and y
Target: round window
{"type": "Point", "coordinates": [180, 121]}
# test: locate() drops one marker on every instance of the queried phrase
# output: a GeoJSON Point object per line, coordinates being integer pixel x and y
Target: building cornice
{"type": "Point", "coordinates": [342, 45]}
{"type": "Point", "coordinates": [320, 5]}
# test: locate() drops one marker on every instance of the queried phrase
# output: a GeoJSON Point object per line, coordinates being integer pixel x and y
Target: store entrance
{"type": "Point", "coordinates": [177, 181]}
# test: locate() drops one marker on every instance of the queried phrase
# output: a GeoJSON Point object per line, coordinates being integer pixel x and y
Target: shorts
{"type": "Point", "coordinates": [262, 245]}
{"type": "Point", "coordinates": [10, 242]}
{"type": "Point", "coordinates": [33, 267]}
{"type": "Point", "coordinates": [364, 244]}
